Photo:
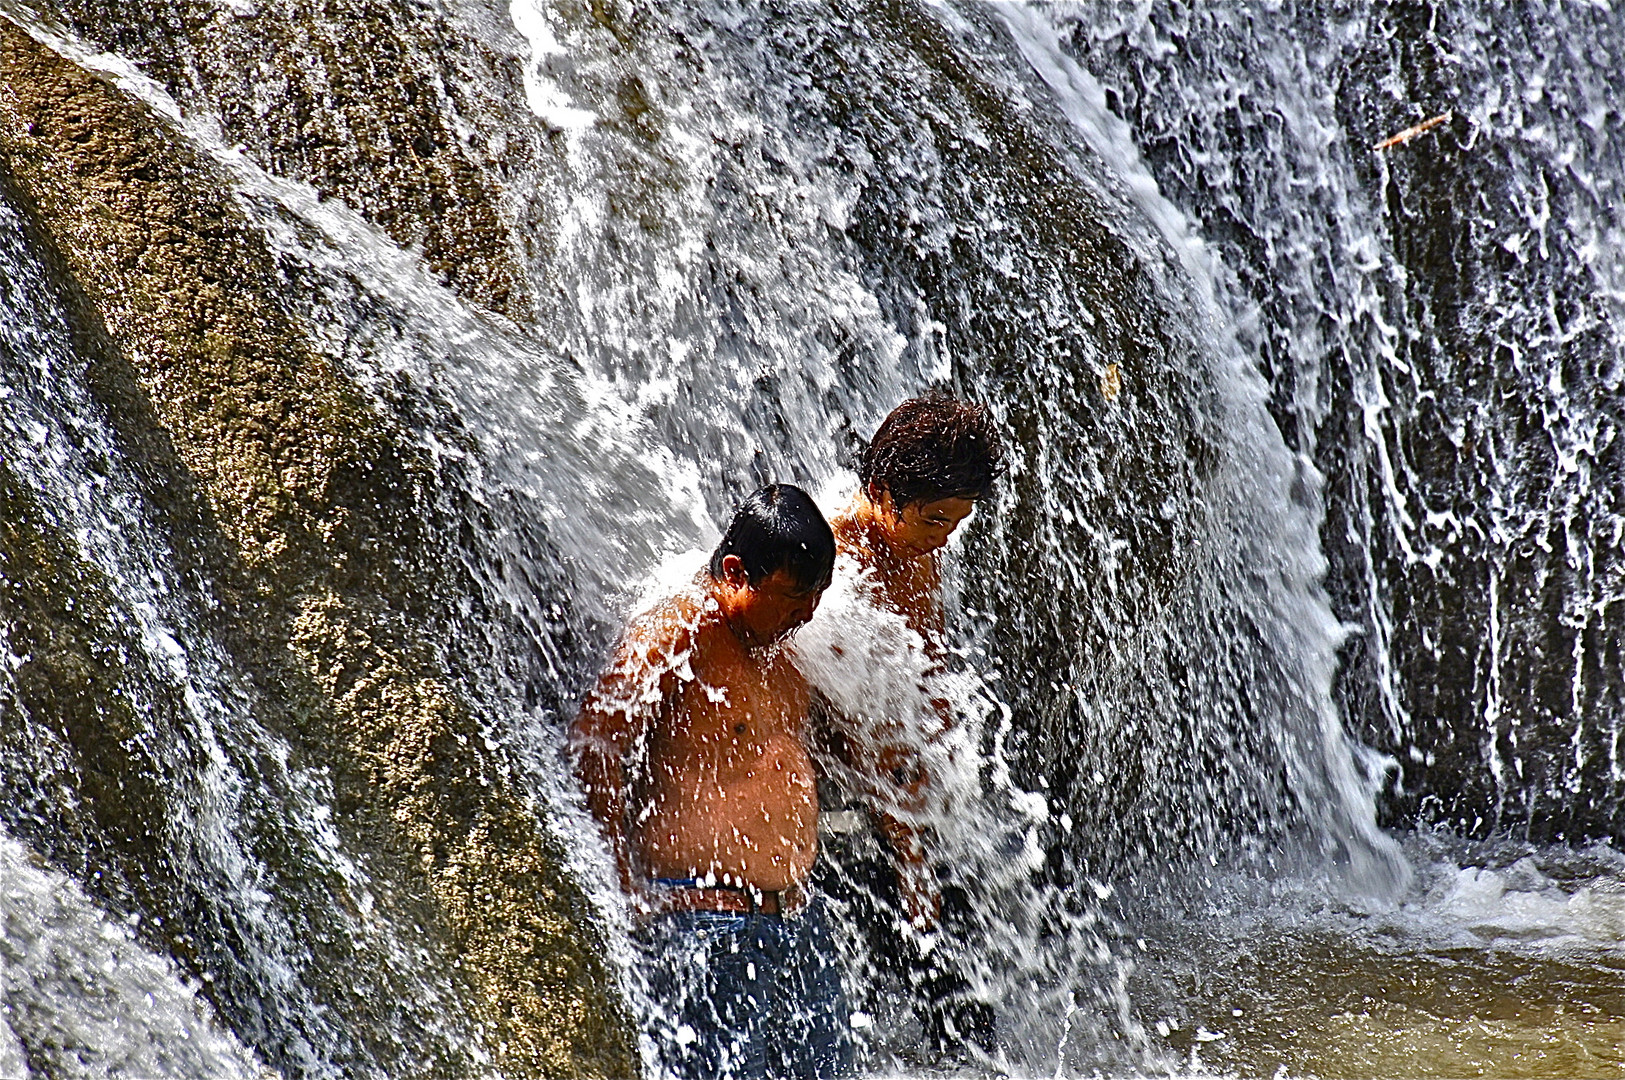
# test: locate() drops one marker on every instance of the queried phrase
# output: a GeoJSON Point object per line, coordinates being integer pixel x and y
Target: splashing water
{"type": "Point", "coordinates": [747, 235]}
{"type": "Point", "coordinates": [82, 998]}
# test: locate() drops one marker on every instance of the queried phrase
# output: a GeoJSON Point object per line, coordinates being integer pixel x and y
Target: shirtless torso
{"type": "Point", "coordinates": [728, 785]}
{"type": "Point", "coordinates": [900, 549]}
{"type": "Point", "coordinates": [691, 747]}
{"type": "Point", "coordinates": [910, 581]}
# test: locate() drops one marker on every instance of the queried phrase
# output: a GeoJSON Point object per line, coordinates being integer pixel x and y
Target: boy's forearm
{"type": "Point", "coordinates": [904, 840]}
{"type": "Point", "coordinates": [603, 780]}
{"type": "Point", "coordinates": [916, 881]}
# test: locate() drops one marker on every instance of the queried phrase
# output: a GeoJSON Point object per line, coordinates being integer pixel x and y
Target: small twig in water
{"type": "Point", "coordinates": [1111, 382]}
{"type": "Point", "coordinates": [1412, 132]}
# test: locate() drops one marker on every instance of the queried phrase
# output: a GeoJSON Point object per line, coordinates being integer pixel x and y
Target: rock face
{"type": "Point", "coordinates": [1440, 321]}
{"type": "Point", "coordinates": [326, 538]}
{"type": "Point", "coordinates": [381, 105]}
{"type": "Point", "coordinates": [329, 553]}
{"type": "Point", "coordinates": [1498, 545]}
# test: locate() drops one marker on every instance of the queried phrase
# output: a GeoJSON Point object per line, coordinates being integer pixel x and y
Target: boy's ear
{"type": "Point", "coordinates": [733, 571]}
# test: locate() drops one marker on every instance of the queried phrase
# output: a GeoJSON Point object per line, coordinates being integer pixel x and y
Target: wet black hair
{"type": "Point", "coordinates": [779, 527]}
{"type": "Point", "coordinates": [933, 448]}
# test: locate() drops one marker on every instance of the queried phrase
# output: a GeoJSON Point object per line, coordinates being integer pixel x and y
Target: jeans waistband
{"type": "Point", "coordinates": [698, 894]}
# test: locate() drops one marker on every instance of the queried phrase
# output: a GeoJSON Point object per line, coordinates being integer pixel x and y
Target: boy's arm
{"type": "Point", "coordinates": [599, 739]}
{"type": "Point", "coordinates": [612, 728]}
{"type": "Point", "coordinates": [902, 767]}
{"type": "Point", "coordinates": [916, 880]}
{"type": "Point", "coordinates": [893, 776]}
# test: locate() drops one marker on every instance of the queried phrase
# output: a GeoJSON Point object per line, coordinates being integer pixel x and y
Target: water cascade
{"type": "Point", "coordinates": [361, 365]}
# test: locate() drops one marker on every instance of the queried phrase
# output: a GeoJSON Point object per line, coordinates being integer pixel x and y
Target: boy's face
{"type": "Point", "coordinates": [924, 527]}
{"type": "Point", "coordinates": [766, 611]}
{"type": "Point", "coordinates": [778, 605]}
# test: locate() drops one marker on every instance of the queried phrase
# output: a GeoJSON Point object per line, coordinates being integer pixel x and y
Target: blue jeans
{"type": "Point", "coordinates": [747, 997]}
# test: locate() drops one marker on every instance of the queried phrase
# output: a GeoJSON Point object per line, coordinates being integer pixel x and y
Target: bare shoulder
{"type": "Point", "coordinates": [667, 629]}
{"type": "Point", "coordinates": [852, 539]}
{"type": "Point", "coordinates": [847, 523]}
{"type": "Point", "coordinates": [653, 649]}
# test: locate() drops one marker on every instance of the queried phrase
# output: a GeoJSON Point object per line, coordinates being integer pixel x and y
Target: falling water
{"type": "Point", "coordinates": [735, 238]}
{"type": "Point", "coordinates": [86, 1000]}
{"type": "Point", "coordinates": [1439, 322]}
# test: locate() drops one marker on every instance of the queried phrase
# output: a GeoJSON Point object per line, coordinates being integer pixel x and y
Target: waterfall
{"type": "Point", "coordinates": [171, 763]}
{"type": "Point", "coordinates": [1439, 322]}
{"type": "Point", "coordinates": [140, 1019]}
{"type": "Point", "coordinates": [1311, 524]}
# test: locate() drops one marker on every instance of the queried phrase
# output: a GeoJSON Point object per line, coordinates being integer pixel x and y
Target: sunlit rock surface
{"type": "Point", "coordinates": [400, 110]}
{"type": "Point", "coordinates": [316, 540]}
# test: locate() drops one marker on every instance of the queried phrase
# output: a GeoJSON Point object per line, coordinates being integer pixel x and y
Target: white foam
{"type": "Point", "coordinates": [543, 96]}
{"type": "Point", "coordinates": [84, 998]}
{"type": "Point", "coordinates": [1525, 905]}
{"type": "Point", "coordinates": [1546, 900]}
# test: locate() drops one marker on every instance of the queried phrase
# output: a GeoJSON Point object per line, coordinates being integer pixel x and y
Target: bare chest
{"type": "Point", "coordinates": [740, 702]}
{"type": "Point", "coordinates": [911, 591]}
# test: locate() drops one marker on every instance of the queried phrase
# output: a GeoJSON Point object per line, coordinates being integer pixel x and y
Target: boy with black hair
{"type": "Point", "coordinates": [691, 750]}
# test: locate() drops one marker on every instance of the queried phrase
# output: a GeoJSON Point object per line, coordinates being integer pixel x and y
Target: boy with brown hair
{"type": "Point", "coordinates": [932, 461]}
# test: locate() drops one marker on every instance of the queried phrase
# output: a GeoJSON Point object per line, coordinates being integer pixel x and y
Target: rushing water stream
{"type": "Point", "coordinates": [1289, 652]}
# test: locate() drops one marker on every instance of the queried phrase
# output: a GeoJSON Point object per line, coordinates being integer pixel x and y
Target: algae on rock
{"type": "Point", "coordinates": [377, 104]}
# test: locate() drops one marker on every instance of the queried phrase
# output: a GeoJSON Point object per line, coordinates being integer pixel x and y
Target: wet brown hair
{"type": "Point", "coordinates": [933, 448]}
